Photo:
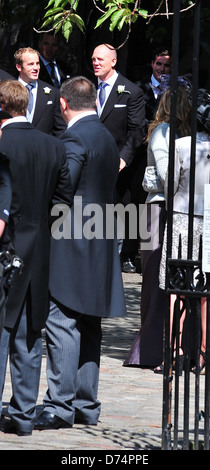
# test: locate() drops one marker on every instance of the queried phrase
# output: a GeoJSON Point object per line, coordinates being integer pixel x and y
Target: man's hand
{"type": "Point", "coordinates": [2, 226]}
{"type": "Point", "coordinates": [122, 164]}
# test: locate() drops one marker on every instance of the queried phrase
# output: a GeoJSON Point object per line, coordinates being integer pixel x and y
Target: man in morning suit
{"type": "Point", "coordinates": [52, 70]}
{"type": "Point", "coordinates": [122, 112]}
{"type": "Point", "coordinates": [85, 275]}
{"type": "Point", "coordinates": [160, 65]}
{"type": "Point", "coordinates": [44, 106]}
{"type": "Point", "coordinates": [5, 203]}
{"type": "Point", "coordinates": [40, 179]}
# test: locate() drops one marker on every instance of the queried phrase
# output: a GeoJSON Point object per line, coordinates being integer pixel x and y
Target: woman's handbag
{"type": "Point", "coordinates": [151, 182]}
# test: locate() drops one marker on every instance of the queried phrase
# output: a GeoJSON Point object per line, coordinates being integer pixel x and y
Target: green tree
{"type": "Point", "coordinates": [62, 14]}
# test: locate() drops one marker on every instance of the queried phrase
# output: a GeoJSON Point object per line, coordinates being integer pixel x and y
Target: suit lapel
{"type": "Point", "coordinates": [41, 102]}
{"type": "Point", "coordinates": [113, 98]}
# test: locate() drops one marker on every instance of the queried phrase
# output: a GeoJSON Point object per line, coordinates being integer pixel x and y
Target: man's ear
{"type": "Point", "coordinates": [63, 103]}
{"type": "Point", "coordinates": [18, 67]}
{"type": "Point", "coordinates": [114, 61]}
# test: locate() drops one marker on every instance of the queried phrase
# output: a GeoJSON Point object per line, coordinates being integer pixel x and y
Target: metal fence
{"type": "Point", "coordinates": [185, 279]}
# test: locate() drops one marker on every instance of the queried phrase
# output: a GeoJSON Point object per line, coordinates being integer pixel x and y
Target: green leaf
{"type": "Point", "coordinates": [143, 13]}
{"type": "Point", "coordinates": [58, 16]}
{"type": "Point", "coordinates": [125, 3]}
{"type": "Point", "coordinates": [115, 18]}
{"type": "Point", "coordinates": [53, 11]}
{"type": "Point", "coordinates": [121, 23]}
{"type": "Point", "coordinates": [49, 3]}
{"type": "Point", "coordinates": [78, 21]}
{"type": "Point", "coordinates": [48, 21]}
{"type": "Point", "coordinates": [74, 4]}
{"type": "Point", "coordinates": [104, 17]}
{"type": "Point", "coordinates": [58, 27]}
{"type": "Point", "coordinates": [58, 2]}
{"type": "Point", "coordinates": [67, 29]}
{"type": "Point", "coordinates": [65, 3]}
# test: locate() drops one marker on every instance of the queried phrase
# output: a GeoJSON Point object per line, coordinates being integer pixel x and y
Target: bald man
{"type": "Point", "coordinates": [122, 112]}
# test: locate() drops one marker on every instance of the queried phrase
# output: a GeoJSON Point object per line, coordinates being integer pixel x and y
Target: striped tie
{"type": "Point", "coordinates": [30, 87]}
{"type": "Point", "coordinates": [102, 92]}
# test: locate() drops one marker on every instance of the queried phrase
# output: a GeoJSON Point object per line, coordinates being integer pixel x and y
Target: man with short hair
{"type": "Point", "coordinates": [160, 66]}
{"type": "Point", "coordinates": [52, 69]}
{"type": "Point", "coordinates": [122, 112]}
{"type": "Point", "coordinates": [44, 106]}
{"type": "Point", "coordinates": [40, 179]}
{"type": "Point", "coordinates": [85, 275]}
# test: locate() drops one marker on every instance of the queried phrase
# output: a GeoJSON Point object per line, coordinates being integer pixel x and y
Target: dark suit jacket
{"type": "Point", "coordinates": [40, 178]}
{"type": "Point", "coordinates": [5, 76]}
{"type": "Point", "coordinates": [123, 115]}
{"type": "Point", "coordinates": [151, 103]}
{"type": "Point", "coordinates": [45, 76]}
{"type": "Point", "coordinates": [5, 188]}
{"type": "Point", "coordinates": [85, 274]}
{"type": "Point", "coordinates": [47, 114]}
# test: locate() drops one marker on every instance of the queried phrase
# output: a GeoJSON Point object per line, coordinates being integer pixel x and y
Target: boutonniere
{"type": "Point", "coordinates": [47, 90]}
{"type": "Point", "coordinates": [121, 89]}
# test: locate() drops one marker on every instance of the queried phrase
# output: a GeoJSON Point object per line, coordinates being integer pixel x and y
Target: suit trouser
{"type": "Point", "coordinates": [73, 359]}
{"type": "Point", "coordinates": [23, 346]}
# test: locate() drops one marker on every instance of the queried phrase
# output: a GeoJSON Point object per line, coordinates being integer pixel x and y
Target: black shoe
{"type": "Point", "coordinates": [8, 427]}
{"type": "Point", "coordinates": [48, 420]}
{"type": "Point", "coordinates": [86, 422]}
{"type": "Point", "coordinates": [127, 266]}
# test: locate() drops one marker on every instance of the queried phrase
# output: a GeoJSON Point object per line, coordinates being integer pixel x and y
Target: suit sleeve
{"type": "Point", "coordinates": [76, 156]}
{"type": "Point", "coordinates": [5, 189]}
{"type": "Point", "coordinates": [135, 125]}
{"type": "Point", "coordinates": [63, 193]}
{"type": "Point", "coordinates": [59, 125]}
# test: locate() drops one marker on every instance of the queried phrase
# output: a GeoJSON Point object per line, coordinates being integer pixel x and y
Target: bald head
{"type": "Point", "coordinates": [104, 59]}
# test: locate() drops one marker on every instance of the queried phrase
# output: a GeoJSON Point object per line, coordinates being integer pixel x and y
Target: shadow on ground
{"type": "Point", "coordinates": [119, 333]}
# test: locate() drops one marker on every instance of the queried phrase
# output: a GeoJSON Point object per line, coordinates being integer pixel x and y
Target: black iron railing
{"type": "Point", "coordinates": [185, 279]}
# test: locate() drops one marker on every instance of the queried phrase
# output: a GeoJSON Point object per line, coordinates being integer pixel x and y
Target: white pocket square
{"type": "Point", "coordinates": [120, 105]}
{"type": "Point", "coordinates": [49, 102]}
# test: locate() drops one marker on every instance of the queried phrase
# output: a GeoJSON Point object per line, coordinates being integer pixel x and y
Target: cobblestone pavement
{"type": "Point", "coordinates": [131, 416]}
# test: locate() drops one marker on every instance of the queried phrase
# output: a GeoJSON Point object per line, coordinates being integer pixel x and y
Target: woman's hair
{"type": "Point", "coordinates": [183, 112]}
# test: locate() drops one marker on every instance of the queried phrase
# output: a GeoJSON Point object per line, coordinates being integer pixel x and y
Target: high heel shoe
{"type": "Point", "coordinates": [159, 369]}
{"type": "Point", "coordinates": [202, 364]}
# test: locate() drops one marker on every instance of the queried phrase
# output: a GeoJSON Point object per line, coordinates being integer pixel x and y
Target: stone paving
{"type": "Point", "coordinates": [131, 416]}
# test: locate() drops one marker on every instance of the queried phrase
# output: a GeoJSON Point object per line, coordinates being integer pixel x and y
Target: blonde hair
{"type": "Point", "coordinates": [14, 97]}
{"type": "Point", "coordinates": [18, 55]}
{"type": "Point", "coordinates": [183, 112]}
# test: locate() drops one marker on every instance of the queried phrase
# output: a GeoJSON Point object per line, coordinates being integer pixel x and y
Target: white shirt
{"type": "Point", "coordinates": [14, 119]}
{"type": "Point", "coordinates": [110, 82]}
{"type": "Point", "coordinates": [80, 116]}
{"type": "Point", "coordinates": [155, 83]}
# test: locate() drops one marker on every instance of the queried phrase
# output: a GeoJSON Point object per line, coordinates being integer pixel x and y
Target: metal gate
{"type": "Point", "coordinates": [185, 279]}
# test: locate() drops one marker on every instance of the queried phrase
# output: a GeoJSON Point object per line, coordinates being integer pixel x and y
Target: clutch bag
{"type": "Point", "coordinates": [151, 182]}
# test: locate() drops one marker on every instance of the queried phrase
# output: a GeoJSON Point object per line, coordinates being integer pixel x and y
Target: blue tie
{"type": "Point", "coordinates": [102, 92]}
{"type": "Point", "coordinates": [29, 87]}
